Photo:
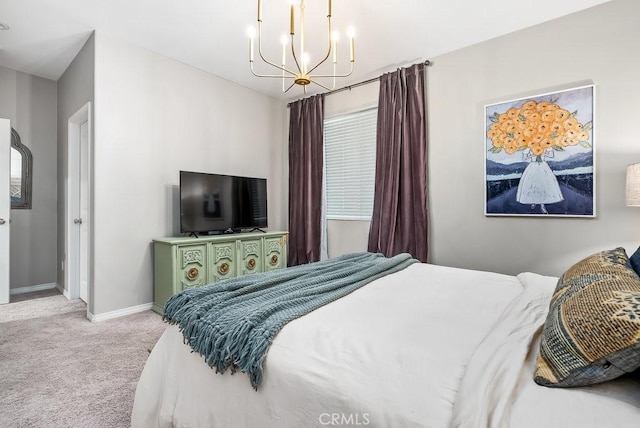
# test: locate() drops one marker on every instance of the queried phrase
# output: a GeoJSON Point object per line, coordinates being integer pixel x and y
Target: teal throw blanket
{"type": "Point", "coordinates": [233, 322]}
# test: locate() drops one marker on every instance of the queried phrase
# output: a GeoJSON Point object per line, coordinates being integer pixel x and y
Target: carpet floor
{"type": "Point", "coordinates": [58, 369]}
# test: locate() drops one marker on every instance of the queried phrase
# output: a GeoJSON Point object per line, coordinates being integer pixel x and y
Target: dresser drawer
{"type": "Point", "coordinates": [275, 256]}
{"type": "Point", "coordinates": [192, 271]}
{"type": "Point", "coordinates": [250, 257]}
{"type": "Point", "coordinates": [222, 261]}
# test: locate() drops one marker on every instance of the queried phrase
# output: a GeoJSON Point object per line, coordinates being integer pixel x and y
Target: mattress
{"type": "Point", "coordinates": [429, 346]}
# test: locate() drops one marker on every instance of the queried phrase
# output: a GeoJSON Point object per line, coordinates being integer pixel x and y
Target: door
{"type": "Point", "coordinates": [83, 209]}
{"type": "Point", "coordinates": [78, 215]}
{"type": "Point", "coordinates": [5, 207]}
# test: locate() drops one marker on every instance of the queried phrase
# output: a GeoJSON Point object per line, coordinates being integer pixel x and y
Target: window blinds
{"type": "Point", "coordinates": [350, 162]}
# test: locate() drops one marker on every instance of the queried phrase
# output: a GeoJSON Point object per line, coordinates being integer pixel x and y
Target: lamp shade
{"type": "Point", "coordinates": [633, 185]}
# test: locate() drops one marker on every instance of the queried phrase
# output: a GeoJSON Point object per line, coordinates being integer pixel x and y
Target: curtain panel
{"type": "Point", "coordinates": [306, 123]}
{"type": "Point", "coordinates": [399, 220]}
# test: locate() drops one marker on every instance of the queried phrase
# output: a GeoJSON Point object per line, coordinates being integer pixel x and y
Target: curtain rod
{"type": "Point", "coordinates": [427, 63]}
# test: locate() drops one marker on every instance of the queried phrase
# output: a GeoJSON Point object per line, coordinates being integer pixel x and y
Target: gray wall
{"type": "Point", "coordinates": [598, 45]}
{"type": "Point", "coordinates": [30, 103]}
{"type": "Point", "coordinates": [75, 89]}
{"type": "Point", "coordinates": [154, 117]}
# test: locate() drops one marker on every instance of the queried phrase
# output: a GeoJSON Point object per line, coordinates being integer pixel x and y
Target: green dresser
{"type": "Point", "coordinates": [181, 263]}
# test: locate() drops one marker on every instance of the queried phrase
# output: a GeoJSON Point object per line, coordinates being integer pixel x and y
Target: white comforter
{"type": "Point", "coordinates": [498, 388]}
{"type": "Point", "coordinates": [399, 352]}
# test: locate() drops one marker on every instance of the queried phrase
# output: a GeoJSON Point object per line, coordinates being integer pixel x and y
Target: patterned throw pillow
{"type": "Point", "coordinates": [635, 261]}
{"type": "Point", "coordinates": [592, 332]}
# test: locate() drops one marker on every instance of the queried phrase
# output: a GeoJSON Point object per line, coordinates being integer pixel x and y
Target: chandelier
{"type": "Point", "coordinates": [300, 72]}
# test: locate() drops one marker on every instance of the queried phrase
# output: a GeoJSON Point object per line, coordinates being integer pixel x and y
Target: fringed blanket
{"type": "Point", "coordinates": [232, 323]}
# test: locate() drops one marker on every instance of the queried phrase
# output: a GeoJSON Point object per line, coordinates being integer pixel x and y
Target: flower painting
{"type": "Point", "coordinates": [539, 155]}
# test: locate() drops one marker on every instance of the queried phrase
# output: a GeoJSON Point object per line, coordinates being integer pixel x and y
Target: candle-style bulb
{"type": "Point", "coordinates": [292, 28]}
{"type": "Point", "coordinates": [251, 32]}
{"type": "Point", "coordinates": [334, 38]}
{"type": "Point", "coordinates": [352, 34]}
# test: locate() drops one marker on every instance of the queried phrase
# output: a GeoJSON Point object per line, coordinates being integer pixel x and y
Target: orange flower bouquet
{"type": "Point", "coordinates": [537, 126]}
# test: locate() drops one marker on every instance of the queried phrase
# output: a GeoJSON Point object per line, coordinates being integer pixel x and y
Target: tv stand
{"type": "Point", "coordinates": [258, 229]}
{"type": "Point", "coordinates": [181, 262]}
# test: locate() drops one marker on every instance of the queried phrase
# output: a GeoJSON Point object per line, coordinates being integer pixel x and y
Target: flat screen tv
{"type": "Point", "coordinates": [215, 203]}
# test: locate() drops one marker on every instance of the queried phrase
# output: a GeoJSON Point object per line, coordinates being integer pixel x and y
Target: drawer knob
{"type": "Point", "coordinates": [274, 259]}
{"type": "Point", "coordinates": [251, 263]}
{"type": "Point", "coordinates": [224, 268]}
{"type": "Point", "coordinates": [192, 273]}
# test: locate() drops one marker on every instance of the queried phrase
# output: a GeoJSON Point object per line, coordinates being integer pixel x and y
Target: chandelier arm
{"type": "Point", "coordinates": [291, 86]}
{"type": "Point", "coordinates": [301, 38]}
{"type": "Point", "coordinates": [279, 68]}
{"type": "Point", "coordinates": [272, 75]}
{"type": "Point", "coordinates": [335, 65]}
{"type": "Point", "coordinates": [263, 58]}
{"type": "Point", "coordinates": [320, 84]}
{"type": "Point", "coordinates": [336, 75]}
{"type": "Point", "coordinates": [295, 58]}
{"type": "Point", "coordinates": [328, 51]}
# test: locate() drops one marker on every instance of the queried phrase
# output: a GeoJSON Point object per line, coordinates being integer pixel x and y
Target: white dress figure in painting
{"type": "Point", "coordinates": [538, 184]}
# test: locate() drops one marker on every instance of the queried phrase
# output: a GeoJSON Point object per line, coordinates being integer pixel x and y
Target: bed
{"type": "Point", "coordinates": [427, 346]}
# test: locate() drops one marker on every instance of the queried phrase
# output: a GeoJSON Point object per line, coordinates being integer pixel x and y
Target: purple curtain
{"type": "Point", "coordinates": [306, 119]}
{"type": "Point", "coordinates": [399, 220]}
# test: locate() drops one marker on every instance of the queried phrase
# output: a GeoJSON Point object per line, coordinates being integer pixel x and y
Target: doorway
{"type": "Point", "coordinates": [77, 264]}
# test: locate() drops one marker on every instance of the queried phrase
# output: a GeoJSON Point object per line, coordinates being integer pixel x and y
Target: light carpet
{"type": "Point", "coordinates": [58, 369]}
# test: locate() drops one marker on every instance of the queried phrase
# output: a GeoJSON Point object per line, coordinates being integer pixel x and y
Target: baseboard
{"type": "Point", "coordinates": [32, 288]}
{"type": "Point", "coordinates": [120, 312]}
{"type": "Point", "coordinates": [63, 291]}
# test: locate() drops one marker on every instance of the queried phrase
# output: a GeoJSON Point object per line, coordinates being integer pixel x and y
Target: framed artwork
{"type": "Point", "coordinates": [539, 158]}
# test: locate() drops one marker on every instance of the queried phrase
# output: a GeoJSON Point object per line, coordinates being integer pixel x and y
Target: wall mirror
{"type": "Point", "coordinates": [21, 167]}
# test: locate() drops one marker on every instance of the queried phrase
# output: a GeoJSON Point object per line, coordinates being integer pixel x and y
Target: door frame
{"type": "Point", "coordinates": [72, 260]}
{"type": "Point", "coordinates": [5, 211]}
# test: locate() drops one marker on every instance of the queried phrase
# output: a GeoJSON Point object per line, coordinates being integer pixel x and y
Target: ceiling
{"type": "Point", "coordinates": [45, 35]}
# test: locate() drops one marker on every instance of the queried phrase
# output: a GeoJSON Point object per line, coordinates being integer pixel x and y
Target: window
{"type": "Point", "coordinates": [350, 164]}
